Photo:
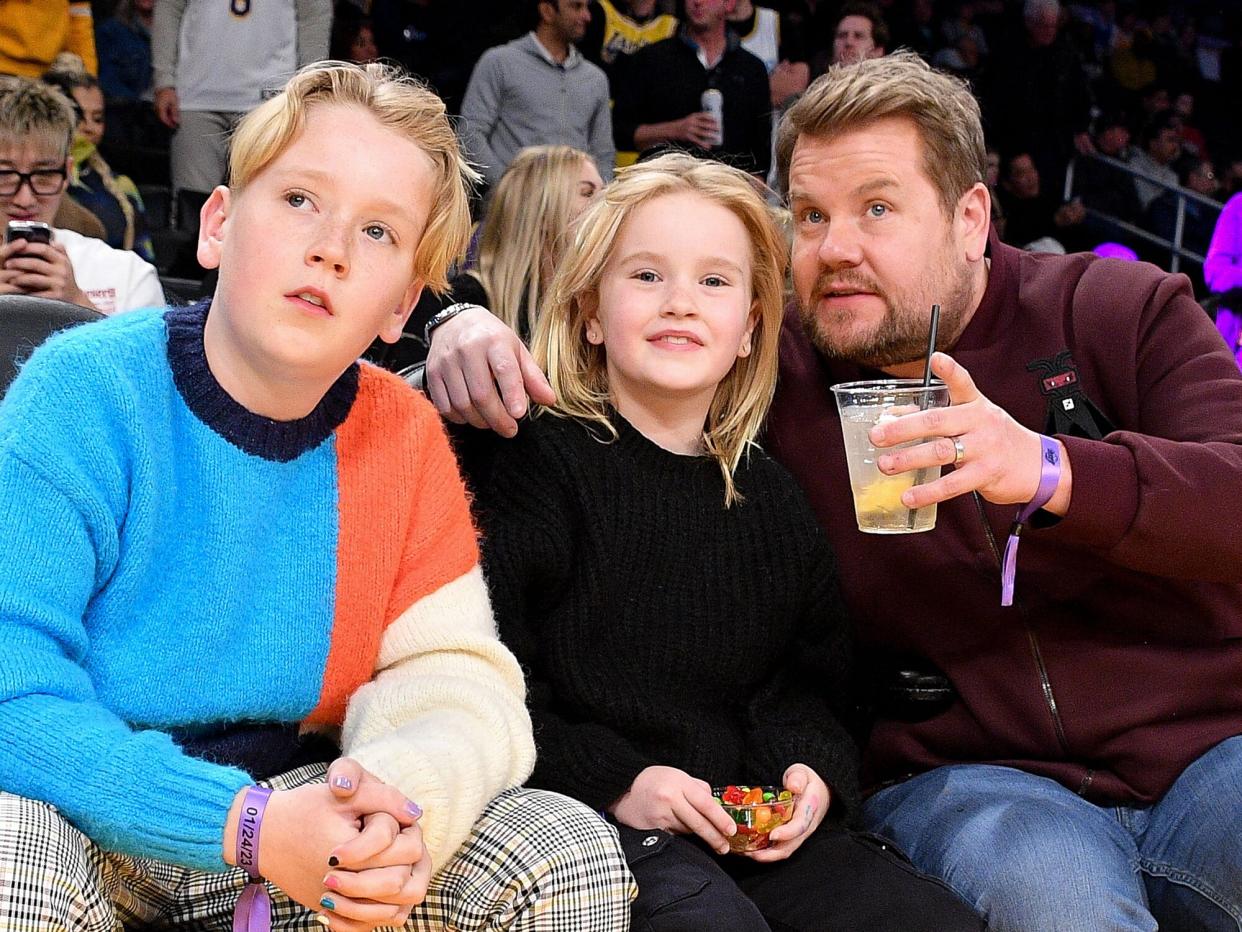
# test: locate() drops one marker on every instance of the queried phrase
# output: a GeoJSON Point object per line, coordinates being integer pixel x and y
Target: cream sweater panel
{"type": "Point", "coordinates": [444, 719]}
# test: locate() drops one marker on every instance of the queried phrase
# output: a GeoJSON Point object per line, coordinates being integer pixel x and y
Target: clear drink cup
{"type": "Point", "coordinates": [877, 497]}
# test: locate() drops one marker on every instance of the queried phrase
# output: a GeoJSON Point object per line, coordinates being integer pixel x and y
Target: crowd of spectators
{"type": "Point", "coordinates": [1130, 98]}
{"type": "Point", "coordinates": [1107, 126]}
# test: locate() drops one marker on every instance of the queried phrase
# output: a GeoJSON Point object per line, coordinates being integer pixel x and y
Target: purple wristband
{"type": "Point", "coordinates": [1049, 477]}
{"type": "Point", "coordinates": [253, 912]}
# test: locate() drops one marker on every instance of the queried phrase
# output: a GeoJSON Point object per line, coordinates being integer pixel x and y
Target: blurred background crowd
{"type": "Point", "coordinates": [1111, 124]}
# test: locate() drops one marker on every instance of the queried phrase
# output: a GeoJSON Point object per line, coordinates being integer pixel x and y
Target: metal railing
{"type": "Point", "coordinates": [1177, 251]}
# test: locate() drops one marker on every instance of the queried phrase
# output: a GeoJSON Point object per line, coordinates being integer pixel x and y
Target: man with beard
{"type": "Point", "coordinates": [1081, 768]}
{"type": "Point", "coordinates": [1087, 773]}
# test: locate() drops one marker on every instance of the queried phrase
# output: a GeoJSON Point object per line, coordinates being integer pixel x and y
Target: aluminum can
{"type": "Point", "coordinates": [713, 103]}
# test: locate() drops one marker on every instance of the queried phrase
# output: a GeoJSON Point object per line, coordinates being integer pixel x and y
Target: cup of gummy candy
{"type": "Point", "coordinates": [756, 810]}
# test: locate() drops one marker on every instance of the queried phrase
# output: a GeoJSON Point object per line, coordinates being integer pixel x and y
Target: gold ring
{"type": "Point", "coordinates": [960, 453]}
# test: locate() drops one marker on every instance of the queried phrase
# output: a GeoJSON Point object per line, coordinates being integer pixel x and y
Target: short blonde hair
{"type": "Point", "coordinates": [523, 231]}
{"type": "Point", "coordinates": [577, 369]}
{"type": "Point", "coordinates": [32, 111]}
{"type": "Point", "coordinates": [849, 97]}
{"type": "Point", "coordinates": [398, 102]}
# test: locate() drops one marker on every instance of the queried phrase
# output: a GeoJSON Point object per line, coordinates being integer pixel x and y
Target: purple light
{"type": "Point", "coordinates": [1115, 251]}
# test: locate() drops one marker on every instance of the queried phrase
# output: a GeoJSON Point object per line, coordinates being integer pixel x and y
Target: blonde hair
{"type": "Point", "coordinates": [34, 111]}
{"type": "Point", "coordinates": [941, 106]}
{"type": "Point", "coordinates": [521, 236]}
{"type": "Point", "coordinates": [576, 368]}
{"type": "Point", "coordinates": [398, 102]}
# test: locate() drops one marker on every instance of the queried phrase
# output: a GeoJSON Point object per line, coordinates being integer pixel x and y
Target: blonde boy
{"type": "Point", "coordinates": [221, 536]}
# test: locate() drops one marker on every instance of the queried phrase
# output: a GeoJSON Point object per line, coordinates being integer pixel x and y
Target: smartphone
{"type": "Point", "coordinates": [32, 231]}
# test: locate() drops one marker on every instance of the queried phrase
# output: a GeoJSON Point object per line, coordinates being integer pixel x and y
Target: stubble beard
{"type": "Point", "coordinates": [901, 335]}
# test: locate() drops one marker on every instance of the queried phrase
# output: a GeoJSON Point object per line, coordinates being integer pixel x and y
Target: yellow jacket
{"type": "Point", "coordinates": [34, 32]}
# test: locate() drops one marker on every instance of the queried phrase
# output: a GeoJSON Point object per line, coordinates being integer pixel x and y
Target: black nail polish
{"type": "Point", "coordinates": [334, 861]}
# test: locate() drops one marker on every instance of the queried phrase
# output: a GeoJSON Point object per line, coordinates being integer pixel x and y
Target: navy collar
{"type": "Point", "coordinates": [279, 441]}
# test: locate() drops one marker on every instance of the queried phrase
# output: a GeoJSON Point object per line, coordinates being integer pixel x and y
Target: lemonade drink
{"type": "Point", "coordinates": [877, 497]}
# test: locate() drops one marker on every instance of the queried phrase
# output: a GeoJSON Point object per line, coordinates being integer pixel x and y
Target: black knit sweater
{"type": "Point", "coordinates": [655, 625]}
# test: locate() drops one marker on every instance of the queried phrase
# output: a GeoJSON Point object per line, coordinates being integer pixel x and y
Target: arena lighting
{"type": "Point", "coordinates": [1115, 251]}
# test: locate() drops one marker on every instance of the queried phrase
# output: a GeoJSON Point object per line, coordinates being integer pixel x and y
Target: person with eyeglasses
{"type": "Point", "coordinates": [36, 128]}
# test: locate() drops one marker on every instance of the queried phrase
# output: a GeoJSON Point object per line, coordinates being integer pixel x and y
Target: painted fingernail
{"type": "Point", "coordinates": [327, 902]}
{"type": "Point", "coordinates": [323, 920]}
{"type": "Point", "coordinates": [331, 881]}
{"type": "Point", "coordinates": [343, 782]}
{"type": "Point", "coordinates": [414, 809]}
{"type": "Point", "coordinates": [333, 861]}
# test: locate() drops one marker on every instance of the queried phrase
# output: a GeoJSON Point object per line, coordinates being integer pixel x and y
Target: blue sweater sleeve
{"type": "Point", "coordinates": [62, 495]}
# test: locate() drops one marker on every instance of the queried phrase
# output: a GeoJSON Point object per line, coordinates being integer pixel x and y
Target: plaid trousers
{"type": "Point", "coordinates": [534, 862]}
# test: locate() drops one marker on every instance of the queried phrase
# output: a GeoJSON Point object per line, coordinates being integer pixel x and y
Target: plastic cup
{"type": "Point", "coordinates": [756, 820]}
{"type": "Point", "coordinates": [877, 497]}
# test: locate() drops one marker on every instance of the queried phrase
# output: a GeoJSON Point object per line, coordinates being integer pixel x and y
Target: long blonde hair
{"type": "Point", "coordinates": [399, 102]}
{"type": "Point", "coordinates": [577, 369]}
{"type": "Point", "coordinates": [521, 236]}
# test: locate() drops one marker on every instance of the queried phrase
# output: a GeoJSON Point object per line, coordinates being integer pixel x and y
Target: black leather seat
{"type": "Point", "coordinates": [26, 321]}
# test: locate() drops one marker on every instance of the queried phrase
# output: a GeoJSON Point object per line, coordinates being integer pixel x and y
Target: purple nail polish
{"type": "Point", "coordinates": [414, 809]}
{"type": "Point", "coordinates": [343, 782]}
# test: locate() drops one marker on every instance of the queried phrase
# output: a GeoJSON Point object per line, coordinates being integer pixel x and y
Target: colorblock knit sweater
{"type": "Point", "coordinates": [171, 562]}
{"type": "Point", "coordinates": [658, 627]}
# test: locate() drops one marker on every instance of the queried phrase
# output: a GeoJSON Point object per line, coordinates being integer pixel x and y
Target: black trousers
{"type": "Point", "coordinates": [837, 881]}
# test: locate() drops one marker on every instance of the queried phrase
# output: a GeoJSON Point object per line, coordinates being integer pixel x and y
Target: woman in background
{"type": "Point", "coordinates": [542, 191]}
{"type": "Point", "coordinates": [113, 198]}
{"type": "Point", "coordinates": [514, 252]}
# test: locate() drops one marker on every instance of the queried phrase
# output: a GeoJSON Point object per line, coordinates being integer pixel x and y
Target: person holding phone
{"type": "Point", "coordinates": [36, 129]}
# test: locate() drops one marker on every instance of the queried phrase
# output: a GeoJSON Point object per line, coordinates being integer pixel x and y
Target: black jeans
{"type": "Point", "coordinates": [838, 881]}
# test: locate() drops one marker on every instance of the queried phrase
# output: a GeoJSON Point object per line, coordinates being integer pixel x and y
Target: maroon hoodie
{"type": "Point", "coordinates": [1121, 661]}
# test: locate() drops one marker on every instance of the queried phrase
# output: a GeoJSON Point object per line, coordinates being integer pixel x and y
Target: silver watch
{"type": "Point", "coordinates": [441, 316]}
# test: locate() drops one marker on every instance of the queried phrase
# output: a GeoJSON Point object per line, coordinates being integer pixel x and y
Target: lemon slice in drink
{"type": "Point", "coordinates": [883, 495]}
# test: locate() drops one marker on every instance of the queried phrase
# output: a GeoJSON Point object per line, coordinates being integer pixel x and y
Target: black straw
{"type": "Point", "coordinates": [931, 348]}
{"type": "Point", "coordinates": [926, 397]}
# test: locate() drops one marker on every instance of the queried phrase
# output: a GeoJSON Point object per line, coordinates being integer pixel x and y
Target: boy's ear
{"type": "Point", "coordinates": [394, 323]}
{"type": "Point", "coordinates": [211, 227]}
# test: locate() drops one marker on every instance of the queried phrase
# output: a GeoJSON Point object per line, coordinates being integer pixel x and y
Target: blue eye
{"type": "Point", "coordinates": [877, 210]}
{"type": "Point", "coordinates": [714, 281]}
{"type": "Point", "coordinates": [646, 276]}
{"type": "Point", "coordinates": [375, 231]}
{"type": "Point", "coordinates": [813, 216]}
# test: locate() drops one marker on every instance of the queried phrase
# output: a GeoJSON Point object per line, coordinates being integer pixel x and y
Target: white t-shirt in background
{"type": "Point", "coordinates": [114, 279]}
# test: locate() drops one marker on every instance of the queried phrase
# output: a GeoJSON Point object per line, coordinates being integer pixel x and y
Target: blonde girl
{"type": "Point", "coordinates": [662, 580]}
